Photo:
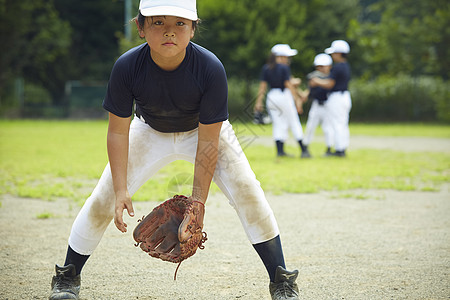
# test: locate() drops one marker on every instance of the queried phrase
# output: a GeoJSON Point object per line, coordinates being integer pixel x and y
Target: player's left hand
{"type": "Point", "coordinates": [157, 233]}
{"type": "Point", "coordinates": [193, 220]}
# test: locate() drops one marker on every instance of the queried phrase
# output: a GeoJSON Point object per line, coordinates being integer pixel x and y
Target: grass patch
{"type": "Point", "coordinates": [53, 159]}
{"type": "Point", "coordinates": [44, 215]}
{"type": "Point", "coordinates": [363, 169]}
{"type": "Point", "coordinates": [60, 148]}
{"type": "Point", "coordinates": [403, 129]}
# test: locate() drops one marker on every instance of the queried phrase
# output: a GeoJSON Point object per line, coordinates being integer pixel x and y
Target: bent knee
{"type": "Point", "coordinates": [101, 211]}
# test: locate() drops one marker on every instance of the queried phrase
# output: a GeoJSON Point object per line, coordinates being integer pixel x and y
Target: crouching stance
{"type": "Point", "coordinates": [180, 93]}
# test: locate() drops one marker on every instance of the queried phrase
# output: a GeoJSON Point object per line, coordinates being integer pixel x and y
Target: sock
{"type": "Point", "coordinates": [303, 147]}
{"type": "Point", "coordinates": [271, 254]}
{"type": "Point", "coordinates": [328, 150]}
{"type": "Point", "coordinates": [280, 146]}
{"type": "Point", "coordinates": [76, 259]}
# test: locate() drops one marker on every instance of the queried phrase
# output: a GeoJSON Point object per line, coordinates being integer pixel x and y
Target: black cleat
{"type": "Point", "coordinates": [284, 154]}
{"type": "Point", "coordinates": [339, 153]}
{"type": "Point", "coordinates": [284, 287]}
{"type": "Point", "coordinates": [305, 154]}
{"type": "Point", "coordinates": [65, 284]}
{"type": "Point", "coordinates": [328, 153]}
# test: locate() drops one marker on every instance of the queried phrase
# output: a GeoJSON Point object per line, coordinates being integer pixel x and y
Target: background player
{"type": "Point", "coordinates": [318, 113]}
{"type": "Point", "coordinates": [283, 101]}
{"type": "Point", "coordinates": [180, 93]}
{"type": "Point", "coordinates": [339, 102]}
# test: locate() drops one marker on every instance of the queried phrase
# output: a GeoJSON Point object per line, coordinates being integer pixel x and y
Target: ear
{"type": "Point", "coordinates": [192, 32]}
{"type": "Point", "coordinates": [140, 30]}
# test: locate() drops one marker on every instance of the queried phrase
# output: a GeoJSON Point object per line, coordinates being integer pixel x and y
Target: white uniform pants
{"type": "Point", "coordinates": [149, 151]}
{"type": "Point", "coordinates": [318, 116]}
{"type": "Point", "coordinates": [339, 106]}
{"type": "Point", "coordinates": [282, 110]}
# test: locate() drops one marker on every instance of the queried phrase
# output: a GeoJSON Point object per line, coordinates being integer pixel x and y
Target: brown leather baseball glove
{"type": "Point", "coordinates": [173, 230]}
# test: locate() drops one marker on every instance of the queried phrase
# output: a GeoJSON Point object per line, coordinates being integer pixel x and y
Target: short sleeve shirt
{"type": "Point", "coordinates": [276, 76]}
{"type": "Point", "coordinates": [341, 74]}
{"type": "Point", "coordinates": [318, 92]}
{"type": "Point", "coordinates": [169, 101]}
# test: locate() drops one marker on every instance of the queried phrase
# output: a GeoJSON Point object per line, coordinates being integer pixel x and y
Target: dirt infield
{"type": "Point", "coordinates": [384, 245]}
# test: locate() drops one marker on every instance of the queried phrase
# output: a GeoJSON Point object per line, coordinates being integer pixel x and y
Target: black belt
{"type": "Point", "coordinates": [140, 117]}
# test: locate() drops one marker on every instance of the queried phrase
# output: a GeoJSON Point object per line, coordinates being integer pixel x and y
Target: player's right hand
{"type": "Point", "coordinates": [123, 201]}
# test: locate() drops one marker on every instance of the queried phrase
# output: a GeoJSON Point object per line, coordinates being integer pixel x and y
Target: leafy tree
{"type": "Point", "coordinates": [410, 37]}
{"type": "Point", "coordinates": [330, 20]}
{"type": "Point", "coordinates": [33, 39]}
{"type": "Point", "coordinates": [327, 21]}
{"type": "Point", "coordinates": [94, 44]}
{"type": "Point", "coordinates": [125, 43]}
{"type": "Point", "coordinates": [241, 32]}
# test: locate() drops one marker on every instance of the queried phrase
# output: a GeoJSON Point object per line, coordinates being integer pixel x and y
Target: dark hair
{"type": "Point", "coordinates": [141, 21]}
{"type": "Point", "coordinates": [271, 61]}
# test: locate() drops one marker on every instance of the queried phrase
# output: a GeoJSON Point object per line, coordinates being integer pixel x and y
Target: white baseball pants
{"type": "Point", "coordinates": [282, 110]}
{"type": "Point", "coordinates": [149, 151]}
{"type": "Point", "coordinates": [318, 116]}
{"type": "Point", "coordinates": [338, 108]}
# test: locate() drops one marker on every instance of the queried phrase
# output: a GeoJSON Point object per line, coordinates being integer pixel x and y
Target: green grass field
{"type": "Point", "coordinates": [52, 159]}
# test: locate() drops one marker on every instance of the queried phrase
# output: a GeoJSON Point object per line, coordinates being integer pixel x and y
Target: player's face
{"type": "Point", "coordinates": [337, 57]}
{"type": "Point", "coordinates": [168, 37]}
{"type": "Point", "coordinates": [286, 60]}
{"type": "Point", "coordinates": [324, 69]}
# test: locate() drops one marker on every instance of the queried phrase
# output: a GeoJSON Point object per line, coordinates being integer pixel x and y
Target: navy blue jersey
{"type": "Point", "coordinates": [169, 101]}
{"type": "Point", "coordinates": [318, 92]}
{"type": "Point", "coordinates": [276, 76]}
{"type": "Point", "coordinates": [341, 74]}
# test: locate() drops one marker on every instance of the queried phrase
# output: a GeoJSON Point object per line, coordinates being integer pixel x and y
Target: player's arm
{"type": "Point", "coordinates": [117, 143]}
{"type": "Point", "coordinates": [261, 93]}
{"type": "Point", "coordinates": [326, 83]}
{"type": "Point", "coordinates": [304, 95]}
{"type": "Point", "coordinates": [298, 101]}
{"type": "Point", "coordinates": [206, 159]}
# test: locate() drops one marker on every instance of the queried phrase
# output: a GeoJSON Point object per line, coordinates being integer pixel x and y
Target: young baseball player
{"type": "Point", "coordinates": [318, 113]}
{"type": "Point", "coordinates": [180, 93]}
{"type": "Point", "coordinates": [339, 102]}
{"type": "Point", "coordinates": [283, 101]}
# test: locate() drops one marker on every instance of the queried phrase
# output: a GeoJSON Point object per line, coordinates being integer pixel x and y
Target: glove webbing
{"type": "Point", "coordinates": [200, 246]}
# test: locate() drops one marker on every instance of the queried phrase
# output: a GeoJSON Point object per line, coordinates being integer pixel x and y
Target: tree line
{"type": "Point", "coordinates": [48, 42]}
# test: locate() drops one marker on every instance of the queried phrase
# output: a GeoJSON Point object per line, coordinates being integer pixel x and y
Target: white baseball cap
{"type": "Point", "coordinates": [283, 50]}
{"type": "Point", "coordinates": [338, 46]}
{"type": "Point", "coordinates": [323, 59]}
{"type": "Point", "coordinates": [179, 8]}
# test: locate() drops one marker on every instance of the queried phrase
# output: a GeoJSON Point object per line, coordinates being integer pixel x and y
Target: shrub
{"type": "Point", "coordinates": [241, 98]}
{"type": "Point", "coordinates": [401, 98]}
